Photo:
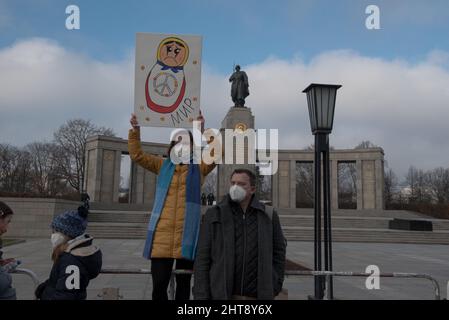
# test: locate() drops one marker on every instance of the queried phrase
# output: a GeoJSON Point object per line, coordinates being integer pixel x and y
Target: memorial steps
{"type": "Point", "coordinates": [130, 222]}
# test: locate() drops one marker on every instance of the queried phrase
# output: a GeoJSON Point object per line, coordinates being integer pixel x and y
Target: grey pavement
{"type": "Point", "coordinates": [389, 257]}
{"type": "Point", "coordinates": [119, 253]}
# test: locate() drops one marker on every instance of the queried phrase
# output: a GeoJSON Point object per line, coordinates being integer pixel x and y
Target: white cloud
{"type": "Point", "coordinates": [399, 106]}
{"type": "Point", "coordinates": [43, 85]}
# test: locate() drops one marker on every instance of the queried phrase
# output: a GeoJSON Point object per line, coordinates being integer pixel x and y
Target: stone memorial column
{"type": "Point", "coordinates": [239, 119]}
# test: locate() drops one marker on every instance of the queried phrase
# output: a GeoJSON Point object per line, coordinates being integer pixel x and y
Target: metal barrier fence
{"type": "Point", "coordinates": [327, 274]}
{"type": "Point", "coordinates": [28, 273]}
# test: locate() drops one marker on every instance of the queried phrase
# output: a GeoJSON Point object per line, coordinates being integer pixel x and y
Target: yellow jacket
{"type": "Point", "coordinates": [168, 235]}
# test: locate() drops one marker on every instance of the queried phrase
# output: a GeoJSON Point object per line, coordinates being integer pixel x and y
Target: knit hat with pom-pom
{"type": "Point", "coordinates": [72, 223]}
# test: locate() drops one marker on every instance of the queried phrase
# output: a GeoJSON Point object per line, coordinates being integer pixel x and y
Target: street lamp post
{"type": "Point", "coordinates": [321, 105]}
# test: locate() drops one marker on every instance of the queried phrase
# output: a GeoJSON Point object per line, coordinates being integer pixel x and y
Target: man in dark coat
{"type": "Point", "coordinates": [241, 248]}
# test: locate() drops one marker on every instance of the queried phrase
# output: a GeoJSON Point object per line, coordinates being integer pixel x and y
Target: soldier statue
{"type": "Point", "coordinates": [239, 87]}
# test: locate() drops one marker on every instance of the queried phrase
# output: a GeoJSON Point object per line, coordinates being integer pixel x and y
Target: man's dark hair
{"type": "Point", "coordinates": [249, 173]}
{"type": "Point", "coordinates": [5, 210]}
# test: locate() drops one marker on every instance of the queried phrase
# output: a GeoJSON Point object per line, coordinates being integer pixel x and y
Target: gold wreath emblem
{"type": "Point", "coordinates": [240, 127]}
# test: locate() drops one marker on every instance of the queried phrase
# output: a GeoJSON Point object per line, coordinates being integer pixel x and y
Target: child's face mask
{"type": "Point", "coordinates": [57, 238]}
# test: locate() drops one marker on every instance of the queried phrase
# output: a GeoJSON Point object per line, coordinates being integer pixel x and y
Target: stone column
{"type": "Point", "coordinates": [94, 169]}
{"type": "Point", "coordinates": [237, 117]}
{"type": "Point", "coordinates": [139, 185]}
{"type": "Point", "coordinates": [107, 176]}
{"type": "Point", "coordinates": [292, 184]}
{"type": "Point", "coordinates": [284, 184]}
{"type": "Point", "coordinates": [149, 187]}
{"type": "Point", "coordinates": [334, 184]}
{"type": "Point", "coordinates": [359, 185]}
{"type": "Point", "coordinates": [133, 183]}
{"type": "Point", "coordinates": [116, 186]}
{"type": "Point", "coordinates": [275, 189]}
{"type": "Point", "coordinates": [379, 184]}
{"type": "Point", "coordinates": [369, 185]}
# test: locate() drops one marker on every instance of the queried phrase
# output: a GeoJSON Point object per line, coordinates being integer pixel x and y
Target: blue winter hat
{"type": "Point", "coordinates": [72, 223]}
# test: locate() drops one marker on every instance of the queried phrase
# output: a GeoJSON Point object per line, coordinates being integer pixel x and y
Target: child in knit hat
{"type": "Point", "coordinates": [76, 260]}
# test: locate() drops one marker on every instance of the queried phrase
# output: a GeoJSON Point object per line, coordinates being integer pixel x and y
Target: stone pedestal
{"type": "Point", "coordinates": [241, 119]}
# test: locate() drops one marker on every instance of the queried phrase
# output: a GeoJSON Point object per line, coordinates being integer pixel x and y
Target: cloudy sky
{"type": "Point", "coordinates": [395, 80]}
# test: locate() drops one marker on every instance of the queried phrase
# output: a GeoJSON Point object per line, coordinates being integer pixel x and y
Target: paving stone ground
{"type": "Point", "coordinates": [119, 253]}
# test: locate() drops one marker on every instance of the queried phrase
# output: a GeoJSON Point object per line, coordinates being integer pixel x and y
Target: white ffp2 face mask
{"type": "Point", "coordinates": [181, 153]}
{"type": "Point", "coordinates": [57, 238]}
{"type": "Point", "coordinates": [237, 193]}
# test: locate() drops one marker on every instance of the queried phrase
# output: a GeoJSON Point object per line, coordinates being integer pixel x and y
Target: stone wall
{"type": "Point", "coordinates": [32, 216]}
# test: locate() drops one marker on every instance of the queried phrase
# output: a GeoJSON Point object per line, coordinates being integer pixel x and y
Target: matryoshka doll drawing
{"type": "Point", "coordinates": [165, 84]}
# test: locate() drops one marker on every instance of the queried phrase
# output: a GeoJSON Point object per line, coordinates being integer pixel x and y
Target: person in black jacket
{"type": "Point", "coordinates": [210, 199]}
{"type": "Point", "coordinates": [7, 292]}
{"type": "Point", "coordinates": [76, 259]}
{"type": "Point", "coordinates": [241, 247]}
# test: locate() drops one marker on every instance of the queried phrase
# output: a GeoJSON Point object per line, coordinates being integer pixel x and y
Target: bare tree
{"type": "Point", "coordinates": [263, 184]}
{"type": "Point", "coordinates": [210, 183]}
{"type": "Point", "coordinates": [14, 169]}
{"type": "Point", "coordinates": [390, 185]}
{"type": "Point", "coordinates": [411, 180]}
{"type": "Point", "coordinates": [45, 177]}
{"type": "Point", "coordinates": [304, 174]}
{"type": "Point", "coordinates": [21, 181]}
{"type": "Point", "coordinates": [417, 180]}
{"type": "Point", "coordinates": [7, 166]}
{"type": "Point", "coordinates": [347, 185]}
{"type": "Point", "coordinates": [304, 181]}
{"type": "Point", "coordinates": [72, 138]}
{"type": "Point", "coordinates": [310, 147]}
{"type": "Point", "coordinates": [365, 145]}
{"type": "Point", "coordinates": [438, 184]}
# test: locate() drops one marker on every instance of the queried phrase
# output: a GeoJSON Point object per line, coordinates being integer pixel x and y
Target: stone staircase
{"type": "Point", "coordinates": [130, 222]}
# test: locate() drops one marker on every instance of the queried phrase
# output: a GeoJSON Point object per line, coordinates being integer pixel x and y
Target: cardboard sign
{"type": "Point", "coordinates": [167, 80]}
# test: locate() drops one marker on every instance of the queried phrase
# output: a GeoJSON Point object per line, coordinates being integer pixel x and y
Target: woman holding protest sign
{"type": "Point", "coordinates": [173, 228]}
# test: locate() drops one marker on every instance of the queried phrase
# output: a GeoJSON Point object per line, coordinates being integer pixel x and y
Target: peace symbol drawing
{"type": "Point", "coordinates": [167, 87]}
{"type": "Point", "coordinates": [168, 77]}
